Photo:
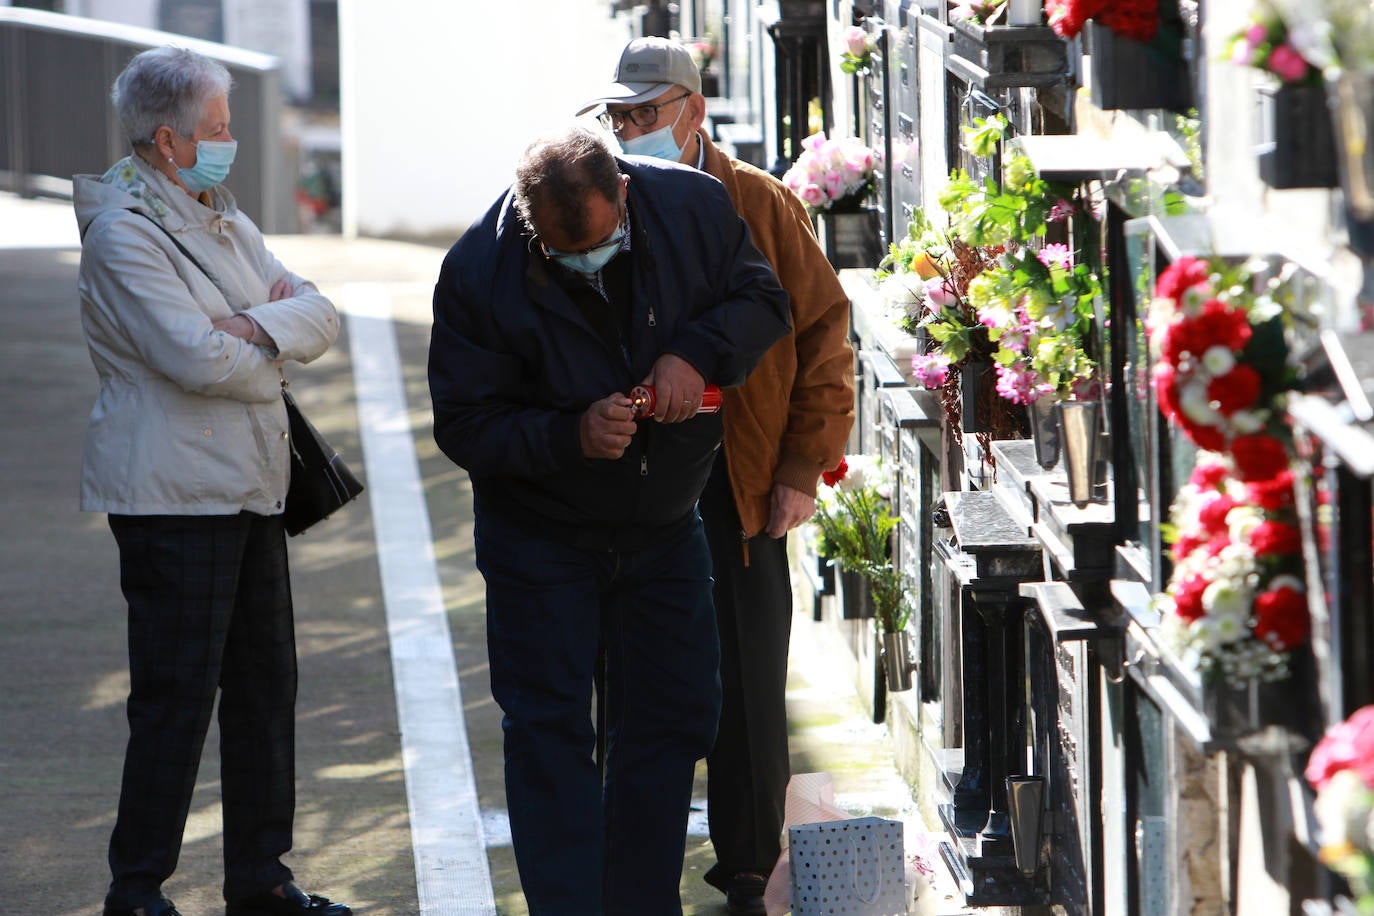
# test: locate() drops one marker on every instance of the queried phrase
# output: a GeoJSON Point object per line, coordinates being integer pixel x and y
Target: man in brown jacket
{"type": "Point", "coordinates": [783, 427]}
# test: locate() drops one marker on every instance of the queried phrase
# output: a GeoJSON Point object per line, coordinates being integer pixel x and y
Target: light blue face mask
{"type": "Point", "coordinates": [213, 158]}
{"type": "Point", "coordinates": [660, 144]}
{"type": "Point", "coordinates": [589, 262]}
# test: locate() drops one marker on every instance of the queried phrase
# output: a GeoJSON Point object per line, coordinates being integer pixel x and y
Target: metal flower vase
{"type": "Point", "coordinates": [897, 662]}
{"type": "Point", "coordinates": [1044, 419]}
{"type": "Point", "coordinates": [851, 238]}
{"type": "Point", "coordinates": [1079, 425]}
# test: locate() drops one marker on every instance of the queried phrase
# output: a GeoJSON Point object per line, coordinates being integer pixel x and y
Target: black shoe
{"type": "Point", "coordinates": [160, 907]}
{"type": "Point", "coordinates": [295, 903]}
{"type": "Point", "coordinates": [744, 894]}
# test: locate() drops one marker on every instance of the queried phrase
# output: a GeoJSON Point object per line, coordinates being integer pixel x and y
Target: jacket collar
{"type": "Point", "coordinates": [162, 199]}
{"type": "Point", "coordinates": [717, 165]}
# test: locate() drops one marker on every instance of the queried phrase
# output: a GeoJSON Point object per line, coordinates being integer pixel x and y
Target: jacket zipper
{"type": "Point", "coordinates": [744, 546]}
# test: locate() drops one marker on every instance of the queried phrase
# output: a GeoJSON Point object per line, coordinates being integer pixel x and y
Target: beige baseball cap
{"type": "Point", "coordinates": [647, 68]}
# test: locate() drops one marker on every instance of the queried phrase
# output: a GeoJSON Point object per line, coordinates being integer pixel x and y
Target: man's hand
{"type": "Point", "coordinates": [789, 509]}
{"type": "Point", "coordinates": [607, 427]}
{"type": "Point", "coordinates": [677, 389]}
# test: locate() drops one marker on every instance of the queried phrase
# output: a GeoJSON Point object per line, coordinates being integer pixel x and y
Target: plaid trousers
{"type": "Point", "coordinates": [209, 609]}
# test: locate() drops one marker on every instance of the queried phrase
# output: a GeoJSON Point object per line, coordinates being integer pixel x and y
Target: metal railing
{"type": "Point", "coordinates": [56, 118]}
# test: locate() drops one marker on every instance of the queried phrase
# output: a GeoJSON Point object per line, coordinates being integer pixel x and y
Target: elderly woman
{"type": "Point", "coordinates": [189, 319]}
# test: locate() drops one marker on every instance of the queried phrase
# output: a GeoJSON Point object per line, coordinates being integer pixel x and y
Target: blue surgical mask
{"type": "Point", "coordinates": [589, 262]}
{"type": "Point", "coordinates": [660, 144]}
{"type": "Point", "coordinates": [213, 158]}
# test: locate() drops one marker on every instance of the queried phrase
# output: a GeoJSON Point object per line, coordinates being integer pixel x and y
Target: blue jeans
{"type": "Point", "coordinates": [582, 848]}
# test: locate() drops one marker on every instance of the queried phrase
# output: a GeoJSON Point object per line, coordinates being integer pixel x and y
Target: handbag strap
{"type": "Point", "coordinates": [877, 868]}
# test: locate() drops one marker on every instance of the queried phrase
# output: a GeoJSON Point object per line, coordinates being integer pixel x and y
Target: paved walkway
{"type": "Point", "coordinates": [399, 740]}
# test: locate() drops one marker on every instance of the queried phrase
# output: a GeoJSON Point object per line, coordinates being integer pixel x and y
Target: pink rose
{"type": "Point", "coordinates": [939, 294]}
{"type": "Point", "coordinates": [856, 41]}
{"type": "Point", "coordinates": [1287, 63]}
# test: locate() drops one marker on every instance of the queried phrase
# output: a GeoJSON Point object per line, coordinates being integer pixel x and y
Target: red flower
{"type": "Point", "coordinates": [1236, 390]}
{"type": "Point", "coordinates": [1180, 276]}
{"type": "Point", "coordinates": [1205, 437]}
{"type": "Point", "coordinates": [1275, 538]}
{"type": "Point", "coordinates": [1185, 545]}
{"type": "Point", "coordinates": [1258, 457]}
{"type": "Point", "coordinates": [1272, 495]}
{"type": "Point", "coordinates": [1166, 391]}
{"type": "Point", "coordinates": [1188, 597]}
{"type": "Point", "coordinates": [1281, 618]}
{"type": "Point", "coordinates": [1224, 325]}
{"type": "Point", "coordinates": [1217, 544]}
{"type": "Point", "coordinates": [1212, 515]}
{"type": "Point", "coordinates": [831, 478]}
{"type": "Point", "coordinates": [1348, 746]}
{"type": "Point", "coordinates": [1208, 476]}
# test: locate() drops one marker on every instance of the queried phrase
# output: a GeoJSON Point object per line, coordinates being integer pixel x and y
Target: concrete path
{"type": "Point", "coordinates": [369, 617]}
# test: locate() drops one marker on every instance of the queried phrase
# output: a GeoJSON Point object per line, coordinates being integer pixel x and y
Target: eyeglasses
{"type": "Point", "coordinates": [616, 237]}
{"type": "Point", "coordinates": [641, 116]}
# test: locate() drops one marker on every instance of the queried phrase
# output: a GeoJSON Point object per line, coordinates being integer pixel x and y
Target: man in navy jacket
{"type": "Point", "coordinates": [590, 276]}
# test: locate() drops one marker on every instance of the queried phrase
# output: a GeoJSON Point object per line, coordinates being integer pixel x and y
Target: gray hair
{"type": "Point", "coordinates": [556, 174]}
{"type": "Point", "coordinates": [166, 86]}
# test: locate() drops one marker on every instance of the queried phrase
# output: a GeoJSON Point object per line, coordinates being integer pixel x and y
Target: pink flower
{"type": "Point", "coordinates": [939, 294]}
{"type": "Point", "coordinates": [856, 41]}
{"type": "Point", "coordinates": [1061, 210]}
{"type": "Point", "coordinates": [930, 369]}
{"type": "Point", "coordinates": [1020, 384]}
{"type": "Point", "coordinates": [1056, 255]}
{"type": "Point", "coordinates": [1285, 61]}
{"type": "Point", "coordinates": [1257, 34]}
{"type": "Point", "coordinates": [813, 196]}
{"type": "Point", "coordinates": [1348, 746]}
{"type": "Point", "coordinates": [1242, 53]}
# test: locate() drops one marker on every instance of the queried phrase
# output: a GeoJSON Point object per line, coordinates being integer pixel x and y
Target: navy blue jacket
{"type": "Point", "coordinates": [513, 363]}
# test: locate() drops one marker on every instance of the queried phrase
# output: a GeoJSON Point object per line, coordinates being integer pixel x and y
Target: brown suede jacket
{"type": "Point", "coordinates": [791, 418]}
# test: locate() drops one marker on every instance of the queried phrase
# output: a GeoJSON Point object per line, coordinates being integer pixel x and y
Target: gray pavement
{"type": "Point", "coordinates": [63, 674]}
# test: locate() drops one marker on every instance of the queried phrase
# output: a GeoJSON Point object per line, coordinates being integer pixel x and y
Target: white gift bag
{"type": "Point", "coordinates": [854, 866]}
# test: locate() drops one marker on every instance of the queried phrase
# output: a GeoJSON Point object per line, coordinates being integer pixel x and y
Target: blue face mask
{"type": "Point", "coordinates": [213, 158]}
{"type": "Point", "coordinates": [660, 144]}
{"type": "Point", "coordinates": [589, 262]}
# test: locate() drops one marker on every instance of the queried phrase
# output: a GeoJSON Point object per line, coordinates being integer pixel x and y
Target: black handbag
{"type": "Point", "coordinates": [321, 483]}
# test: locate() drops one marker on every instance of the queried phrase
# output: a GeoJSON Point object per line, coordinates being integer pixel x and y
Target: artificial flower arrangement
{"type": "Point", "coordinates": [1035, 300]}
{"type": "Point", "coordinates": [1265, 45]}
{"type": "Point", "coordinates": [703, 51]}
{"type": "Point", "coordinates": [1236, 604]}
{"type": "Point", "coordinates": [1222, 369]}
{"type": "Point", "coordinates": [984, 12]}
{"type": "Point", "coordinates": [832, 174]}
{"type": "Point", "coordinates": [1136, 19]}
{"type": "Point", "coordinates": [857, 55]}
{"type": "Point", "coordinates": [1341, 770]}
{"type": "Point", "coordinates": [854, 515]}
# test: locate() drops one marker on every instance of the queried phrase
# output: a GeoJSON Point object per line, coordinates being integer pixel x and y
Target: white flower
{"type": "Point", "coordinates": [1226, 602]}
{"type": "Point", "coordinates": [1245, 422]}
{"type": "Point", "coordinates": [1218, 360]}
{"type": "Point", "coordinates": [1343, 804]}
{"type": "Point", "coordinates": [1194, 402]}
{"type": "Point", "coordinates": [864, 471]}
{"type": "Point", "coordinates": [1288, 581]}
{"type": "Point", "coordinates": [1241, 520]}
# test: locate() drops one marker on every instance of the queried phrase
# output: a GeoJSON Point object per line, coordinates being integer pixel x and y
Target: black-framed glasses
{"type": "Point", "coordinates": [641, 116]}
{"type": "Point", "coordinates": [617, 237]}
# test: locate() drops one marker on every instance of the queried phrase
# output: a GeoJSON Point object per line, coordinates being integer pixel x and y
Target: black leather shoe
{"type": "Point", "coordinates": [744, 894]}
{"type": "Point", "coordinates": [295, 903]}
{"type": "Point", "coordinates": [160, 907]}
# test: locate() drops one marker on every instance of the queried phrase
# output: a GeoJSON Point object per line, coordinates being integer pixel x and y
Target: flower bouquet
{"type": "Point", "coordinates": [856, 522]}
{"type": "Point", "coordinates": [832, 174]}
{"type": "Point", "coordinates": [1265, 44]}
{"type": "Point", "coordinates": [1341, 770]}
{"type": "Point", "coordinates": [1223, 369]}
{"type": "Point", "coordinates": [1236, 603]}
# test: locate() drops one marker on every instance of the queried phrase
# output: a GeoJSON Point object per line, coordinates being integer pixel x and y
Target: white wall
{"type": "Point", "coordinates": [439, 100]}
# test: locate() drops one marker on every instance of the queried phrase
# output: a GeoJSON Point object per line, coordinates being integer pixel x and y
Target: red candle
{"type": "Point", "coordinates": [644, 400]}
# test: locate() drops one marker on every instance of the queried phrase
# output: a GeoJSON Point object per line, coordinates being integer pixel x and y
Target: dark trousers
{"type": "Point", "coordinates": [582, 848]}
{"type": "Point", "coordinates": [209, 608]}
{"type": "Point", "coordinates": [747, 772]}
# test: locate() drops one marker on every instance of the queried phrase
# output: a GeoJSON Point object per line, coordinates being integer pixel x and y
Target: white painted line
{"type": "Point", "coordinates": [451, 870]}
